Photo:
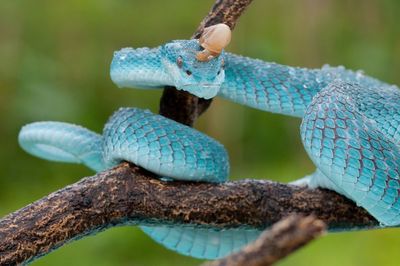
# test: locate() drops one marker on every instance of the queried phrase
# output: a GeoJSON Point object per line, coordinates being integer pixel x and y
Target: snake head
{"type": "Point", "coordinates": [202, 79]}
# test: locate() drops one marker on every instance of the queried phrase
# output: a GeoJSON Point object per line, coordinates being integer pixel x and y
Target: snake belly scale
{"type": "Point", "coordinates": [350, 129]}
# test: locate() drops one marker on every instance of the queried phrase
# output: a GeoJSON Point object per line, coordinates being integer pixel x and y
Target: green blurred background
{"type": "Point", "coordinates": [55, 58]}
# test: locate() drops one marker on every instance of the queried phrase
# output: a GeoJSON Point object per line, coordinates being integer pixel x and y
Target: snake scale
{"type": "Point", "coordinates": [350, 129]}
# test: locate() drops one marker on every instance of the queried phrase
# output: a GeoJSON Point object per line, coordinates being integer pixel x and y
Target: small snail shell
{"type": "Point", "coordinates": [213, 39]}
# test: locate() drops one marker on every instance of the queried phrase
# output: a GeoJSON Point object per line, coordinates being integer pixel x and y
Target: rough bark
{"type": "Point", "coordinates": [126, 194]}
{"type": "Point", "coordinates": [283, 238]}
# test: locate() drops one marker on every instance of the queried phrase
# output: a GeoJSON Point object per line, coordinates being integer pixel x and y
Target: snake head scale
{"type": "Point", "coordinates": [195, 66]}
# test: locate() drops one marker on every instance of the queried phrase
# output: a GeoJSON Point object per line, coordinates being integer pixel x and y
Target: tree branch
{"type": "Point", "coordinates": [126, 194]}
{"type": "Point", "coordinates": [283, 238]}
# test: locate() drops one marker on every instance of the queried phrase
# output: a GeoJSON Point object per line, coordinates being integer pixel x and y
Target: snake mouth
{"type": "Point", "coordinates": [201, 85]}
{"type": "Point", "coordinates": [206, 91]}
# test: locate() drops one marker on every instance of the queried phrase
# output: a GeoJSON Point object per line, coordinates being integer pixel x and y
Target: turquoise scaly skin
{"type": "Point", "coordinates": [350, 129]}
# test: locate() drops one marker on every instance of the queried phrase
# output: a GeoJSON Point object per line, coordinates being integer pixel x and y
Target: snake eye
{"type": "Point", "coordinates": [179, 62]}
{"type": "Point", "coordinates": [188, 72]}
{"type": "Point", "coordinates": [219, 72]}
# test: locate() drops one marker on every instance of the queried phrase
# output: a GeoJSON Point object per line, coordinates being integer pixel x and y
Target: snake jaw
{"type": "Point", "coordinates": [193, 84]}
{"type": "Point", "coordinates": [201, 90]}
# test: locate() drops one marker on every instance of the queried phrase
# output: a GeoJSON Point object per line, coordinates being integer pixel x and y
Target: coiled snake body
{"type": "Point", "coordinates": [350, 129]}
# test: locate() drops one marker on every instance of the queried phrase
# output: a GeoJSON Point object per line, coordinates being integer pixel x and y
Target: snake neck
{"type": "Point", "coordinates": [269, 86]}
{"type": "Point", "coordinates": [278, 88]}
{"type": "Point", "coordinates": [140, 67]}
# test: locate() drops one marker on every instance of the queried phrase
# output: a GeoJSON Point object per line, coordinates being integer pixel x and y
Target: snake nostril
{"type": "Point", "coordinates": [179, 62]}
{"type": "Point", "coordinates": [188, 72]}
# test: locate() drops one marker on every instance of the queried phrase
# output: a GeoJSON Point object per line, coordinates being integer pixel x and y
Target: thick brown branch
{"type": "Point", "coordinates": [182, 106]}
{"type": "Point", "coordinates": [285, 237]}
{"type": "Point", "coordinates": [125, 194]}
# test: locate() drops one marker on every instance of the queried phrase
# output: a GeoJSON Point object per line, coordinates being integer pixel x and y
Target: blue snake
{"type": "Point", "coordinates": [350, 129]}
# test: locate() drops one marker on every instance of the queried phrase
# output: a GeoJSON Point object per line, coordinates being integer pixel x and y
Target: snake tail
{"type": "Point", "coordinates": [63, 142]}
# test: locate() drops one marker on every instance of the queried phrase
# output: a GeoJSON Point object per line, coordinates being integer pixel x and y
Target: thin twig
{"type": "Point", "coordinates": [285, 237]}
{"type": "Point", "coordinates": [182, 106]}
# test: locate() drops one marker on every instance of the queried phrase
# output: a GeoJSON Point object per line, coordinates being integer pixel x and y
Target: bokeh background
{"type": "Point", "coordinates": [54, 65]}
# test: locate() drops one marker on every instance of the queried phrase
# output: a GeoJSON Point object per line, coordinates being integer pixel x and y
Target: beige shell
{"type": "Point", "coordinates": [213, 39]}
